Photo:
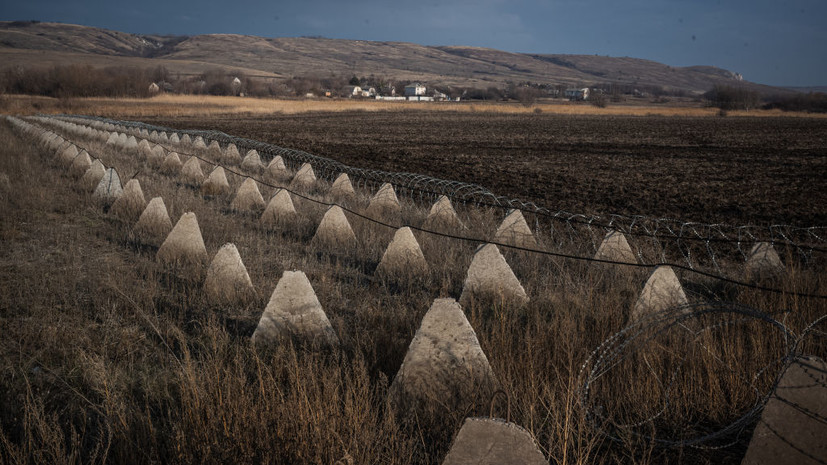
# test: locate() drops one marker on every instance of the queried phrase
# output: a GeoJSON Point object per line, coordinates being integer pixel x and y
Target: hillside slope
{"type": "Point", "coordinates": [57, 43]}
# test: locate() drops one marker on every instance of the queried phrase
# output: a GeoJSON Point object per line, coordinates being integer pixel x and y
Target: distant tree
{"type": "Point", "coordinates": [728, 97]}
{"type": "Point", "coordinates": [527, 96]}
{"type": "Point", "coordinates": [354, 81]}
{"type": "Point", "coordinates": [815, 102]}
{"type": "Point", "coordinates": [598, 98]}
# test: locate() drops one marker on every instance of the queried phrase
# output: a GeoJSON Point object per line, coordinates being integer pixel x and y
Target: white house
{"type": "Point", "coordinates": [352, 91]}
{"type": "Point", "coordinates": [414, 89]}
{"type": "Point", "coordinates": [577, 94]}
{"type": "Point", "coordinates": [236, 85]}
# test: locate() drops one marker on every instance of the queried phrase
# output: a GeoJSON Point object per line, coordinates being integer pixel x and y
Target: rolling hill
{"type": "Point", "coordinates": [29, 43]}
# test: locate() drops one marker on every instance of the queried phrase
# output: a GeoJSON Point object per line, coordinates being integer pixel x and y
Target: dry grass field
{"type": "Point", "coordinates": [108, 356]}
{"type": "Point", "coordinates": [169, 105]}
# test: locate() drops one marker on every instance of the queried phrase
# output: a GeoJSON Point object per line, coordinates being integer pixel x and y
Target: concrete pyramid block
{"type": "Point", "coordinates": [490, 278]}
{"type": "Point", "coordinates": [214, 151]}
{"type": "Point", "coordinates": [154, 224]}
{"type": "Point", "coordinates": [80, 164]}
{"type": "Point", "coordinates": [248, 198]}
{"type": "Point", "coordinates": [131, 203]}
{"type": "Point", "coordinates": [163, 137]}
{"type": "Point", "coordinates": [184, 245]}
{"type": "Point", "coordinates": [663, 290]}
{"type": "Point", "coordinates": [384, 205]}
{"type": "Point", "coordinates": [277, 171]}
{"type": "Point", "coordinates": [763, 263]}
{"type": "Point", "coordinates": [227, 279]}
{"type": "Point", "coordinates": [56, 143]}
{"type": "Point", "coordinates": [445, 366]}
{"type": "Point", "coordinates": [67, 156]}
{"type": "Point", "coordinates": [156, 156]}
{"type": "Point", "coordinates": [131, 143]}
{"type": "Point", "coordinates": [63, 146]}
{"type": "Point", "coordinates": [294, 312]}
{"type": "Point", "coordinates": [334, 231]}
{"type": "Point", "coordinates": [198, 143]}
{"type": "Point", "coordinates": [191, 173]}
{"type": "Point", "coordinates": [216, 184]}
{"type": "Point", "coordinates": [174, 139]}
{"type": "Point", "coordinates": [231, 155]}
{"type": "Point", "coordinates": [792, 429]}
{"type": "Point", "coordinates": [144, 149]}
{"type": "Point", "coordinates": [252, 162]}
{"type": "Point", "coordinates": [305, 178]}
{"type": "Point", "coordinates": [186, 141]}
{"type": "Point", "coordinates": [491, 441]}
{"type": "Point", "coordinates": [109, 188]}
{"type": "Point", "coordinates": [403, 257]}
{"type": "Point", "coordinates": [90, 179]}
{"type": "Point", "coordinates": [280, 211]}
{"type": "Point", "coordinates": [615, 248]}
{"type": "Point", "coordinates": [112, 139]}
{"type": "Point", "coordinates": [515, 231]}
{"type": "Point", "coordinates": [172, 164]}
{"type": "Point", "coordinates": [342, 189]}
{"type": "Point", "coordinates": [443, 218]}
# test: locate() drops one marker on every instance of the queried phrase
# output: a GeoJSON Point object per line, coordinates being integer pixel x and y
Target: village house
{"type": "Point", "coordinates": [577, 94]}
{"type": "Point", "coordinates": [414, 90]}
{"type": "Point", "coordinates": [440, 96]}
{"type": "Point", "coordinates": [351, 91]}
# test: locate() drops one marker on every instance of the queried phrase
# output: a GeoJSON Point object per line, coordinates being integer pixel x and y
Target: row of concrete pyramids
{"type": "Point", "coordinates": [489, 274]}
{"type": "Point", "coordinates": [445, 334]}
{"type": "Point", "coordinates": [423, 376]}
{"type": "Point", "coordinates": [762, 261]}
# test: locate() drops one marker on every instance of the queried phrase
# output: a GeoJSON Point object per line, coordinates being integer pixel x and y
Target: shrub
{"type": "Point", "coordinates": [815, 102]}
{"type": "Point", "coordinates": [733, 97]}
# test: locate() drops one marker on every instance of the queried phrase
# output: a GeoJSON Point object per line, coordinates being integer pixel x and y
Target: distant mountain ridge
{"type": "Point", "coordinates": [28, 43]}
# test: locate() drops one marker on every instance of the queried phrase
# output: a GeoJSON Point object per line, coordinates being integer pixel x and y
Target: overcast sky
{"type": "Point", "coordinates": [777, 42]}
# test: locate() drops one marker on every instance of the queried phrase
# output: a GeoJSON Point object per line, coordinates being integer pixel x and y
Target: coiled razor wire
{"type": "Point", "coordinates": [646, 341]}
{"type": "Point", "coordinates": [698, 245]}
{"type": "Point", "coordinates": [689, 326]}
{"type": "Point", "coordinates": [84, 131]}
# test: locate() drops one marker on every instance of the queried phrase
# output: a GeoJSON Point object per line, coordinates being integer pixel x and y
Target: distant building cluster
{"type": "Point", "coordinates": [415, 92]}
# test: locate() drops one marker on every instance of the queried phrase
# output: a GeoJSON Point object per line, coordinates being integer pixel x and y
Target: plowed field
{"type": "Point", "coordinates": [734, 170]}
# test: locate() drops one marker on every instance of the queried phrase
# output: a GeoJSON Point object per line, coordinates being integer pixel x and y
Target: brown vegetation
{"type": "Point", "coordinates": [107, 356]}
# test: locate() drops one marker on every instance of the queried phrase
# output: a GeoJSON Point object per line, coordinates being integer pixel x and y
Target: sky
{"type": "Point", "coordinates": [775, 42]}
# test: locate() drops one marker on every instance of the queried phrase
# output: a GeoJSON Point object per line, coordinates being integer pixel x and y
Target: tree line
{"type": "Point", "coordinates": [68, 81]}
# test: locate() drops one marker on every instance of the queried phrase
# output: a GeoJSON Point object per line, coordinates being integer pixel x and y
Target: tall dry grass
{"type": "Point", "coordinates": [169, 105]}
{"type": "Point", "coordinates": [106, 356]}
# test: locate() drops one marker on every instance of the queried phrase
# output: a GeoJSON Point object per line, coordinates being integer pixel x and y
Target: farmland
{"type": "Point", "coordinates": [704, 169]}
{"type": "Point", "coordinates": [110, 355]}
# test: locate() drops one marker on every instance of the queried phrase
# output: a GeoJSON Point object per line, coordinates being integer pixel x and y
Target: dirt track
{"type": "Point", "coordinates": [735, 170]}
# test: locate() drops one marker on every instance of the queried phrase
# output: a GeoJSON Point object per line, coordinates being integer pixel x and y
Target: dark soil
{"type": "Point", "coordinates": [733, 170]}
